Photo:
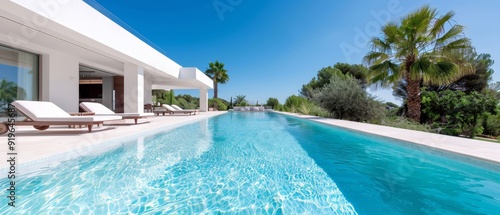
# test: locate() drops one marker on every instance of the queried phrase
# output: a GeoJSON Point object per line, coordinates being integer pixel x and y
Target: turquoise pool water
{"type": "Point", "coordinates": [260, 163]}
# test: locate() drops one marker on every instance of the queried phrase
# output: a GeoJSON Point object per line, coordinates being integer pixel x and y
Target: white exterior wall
{"type": "Point", "coordinates": [133, 89]}
{"type": "Point", "coordinates": [60, 80]}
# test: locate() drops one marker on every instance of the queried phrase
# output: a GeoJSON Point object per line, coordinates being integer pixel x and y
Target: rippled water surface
{"type": "Point", "coordinates": [260, 163]}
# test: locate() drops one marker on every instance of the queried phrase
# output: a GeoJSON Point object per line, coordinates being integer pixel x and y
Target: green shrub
{"type": "Point", "coordinates": [279, 107]}
{"type": "Point", "coordinates": [295, 101]}
{"type": "Point", "coordinates": [184, 104]}
{"type": "Point", "coordinates": [164, 96]}
{"type": "Point", "coordinates": [305, 108]}
{"type": "Point", "coordinates": [319, 111]}
{"type": "Point", "coordinates": [272, 102]}
{"type": "Point", "coordinates": [460, 112]}
{"type": "Point", "coordinates": [309, 108]}
{"type": "Point", "coordinates": [402, 122]}
{"type": "Point", "coordinates": [283, 108]}
{"type": "Point", "coordinates": [346, 99]}
{"type": "Point", "coordinates": [243, 103]}
{"type": "Point", "coordinates": [491, 124]}
{"type": "Point", "coordinates": [187, 101]}
{"type": "Point", "coordinates": [217, 104]}
{"type": "Point", "coordinates": [162, 101]}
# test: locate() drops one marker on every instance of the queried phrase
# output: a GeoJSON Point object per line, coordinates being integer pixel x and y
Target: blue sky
{"type": "Point", "coordinates": [8, 73]}
{"type": "Point", "coordinates": [272, 48]}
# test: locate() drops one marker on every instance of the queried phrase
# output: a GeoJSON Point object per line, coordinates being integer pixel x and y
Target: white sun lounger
{"type": "Point", "coordinates": [171, 110]}
{"type": "Point", "coordinates": [101, 110]}
{"type": "Point", "coordinates": [41, 115]}
{"type": "Point", "coordinates": [179, 108]}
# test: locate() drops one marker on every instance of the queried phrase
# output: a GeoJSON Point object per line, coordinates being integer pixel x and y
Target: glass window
{"type": "Point", "coordinates": [19, 75]}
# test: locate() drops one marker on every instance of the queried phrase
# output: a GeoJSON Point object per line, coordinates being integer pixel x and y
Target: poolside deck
{"type": "Point", "coordinates": [33, 146]}
{"type": "Point", "coordinates": [482, 150]}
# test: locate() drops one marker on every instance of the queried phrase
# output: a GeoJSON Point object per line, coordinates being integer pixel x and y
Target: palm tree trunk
{"type": "Point", "coordinates": [414, 99]}
{"type": "Point", "coordinates": [216, 93]}
{"type": "Point", "coordinates": [413, 89]}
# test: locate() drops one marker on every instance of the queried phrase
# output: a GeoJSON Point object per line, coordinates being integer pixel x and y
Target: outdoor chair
{"type": "Point", "coordinates": [101, 110]}
{"type": "Point", "coordinates": [41, 115]}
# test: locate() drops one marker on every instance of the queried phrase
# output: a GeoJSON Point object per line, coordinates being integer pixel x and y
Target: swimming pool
{"type": "Point", "coordinates": [260, 163]}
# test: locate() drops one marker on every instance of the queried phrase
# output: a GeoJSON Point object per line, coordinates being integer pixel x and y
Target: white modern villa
{"type": "Point", "coordinates": [67, 52]}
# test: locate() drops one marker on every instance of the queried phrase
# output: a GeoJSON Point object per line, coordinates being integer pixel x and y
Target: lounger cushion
{"type": "Point", "coordinates": [48, 111]}
{"type": "Point", "coordinates": [173, 110]}
{"type": "Point", "coordinates": [176, 107]}
{"type": "Point", "coordinates": [135, 114]}
{"type": "Point", "coordinates": [97, 108]}
{"type": "Point", "coordinates": [39, 109]}
{"type": "Point", "coordinates": [170, 108]}
{"type": "Point", "coordinates": [100, 109]}
{"type": "Point", "coordinates": [79, 119]}
{"type": "Point", "coordinates": [179, 108]}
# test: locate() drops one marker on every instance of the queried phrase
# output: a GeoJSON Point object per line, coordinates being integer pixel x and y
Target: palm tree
{"type": "Point", "coordinates": [9, 92]}
{"type": "Point", "coordinates": [240, 100]}
{"type": "Point", "coordinates": [419, 50]}
{"type": "Point", "coordinates": [218, 74]}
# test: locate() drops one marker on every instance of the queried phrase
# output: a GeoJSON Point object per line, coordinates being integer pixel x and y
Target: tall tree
{"type": "Point", "coordinates": [357, 71]}
{"type": "Point", "coordinates": [495, 90]}
{"type": "Point", "coordinates": [218, 75]}
{"type": "Point", "coordinates": [344, 98]}
{"type": "Point", "coordinates": [419, 49]}
{"type": "Point", "coordinates": [324, 75]}
{"type": "Point", "coordinates": [273, 102]}
{"type": "Point", "coordinates": [478, 80]}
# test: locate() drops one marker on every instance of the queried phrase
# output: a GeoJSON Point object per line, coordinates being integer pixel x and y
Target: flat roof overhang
{"type": "Point", "coordinates": [75, 28]}
{"type": "Point", "coordinates": [189, 78]}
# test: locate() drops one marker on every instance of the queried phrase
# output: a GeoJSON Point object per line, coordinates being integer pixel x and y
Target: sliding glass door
{"type": "Point", "coordinates": [19, 76]}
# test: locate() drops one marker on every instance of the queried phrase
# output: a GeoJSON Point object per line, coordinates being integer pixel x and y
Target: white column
{"type": "Point", "coordinates": [148, 92]}
{"type": "Point", "coordinates": [107, 92]}
{"type": "Point", "coordinates": [203, 100]}
{"type": "Point", "coordinates": [133, 89]}
{"type": "Point", "coordinates": [60, 80]}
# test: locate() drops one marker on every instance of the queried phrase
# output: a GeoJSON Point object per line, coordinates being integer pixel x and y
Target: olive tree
{"type": "Point", "coordinates": [344, 98]}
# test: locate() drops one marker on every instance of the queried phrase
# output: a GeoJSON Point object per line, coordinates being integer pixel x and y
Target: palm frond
{"type": "Point", "coordinates": [374, 57]}
{"type": "Point", "coordinates": [391, 32]}
{"type": "Point", "coordinates": [217, 72]}
{"type": "Point", "coordinates": [452, 34]}
{"type": "Point", "coordinates": [419, 67]}
{"type": "Point", "coordinates": [385, 73]}
{"type": "Point", "coordinates": [418, 21]}
{"type": "Point", "coordinates": [439, 23]}
{"type": "Point", "coordinates": [224, 78]}
{"type": "Point", "coordinates": [459, 44]}
{"type": "Point", "coordinates": [380, 45]}
{"type": "Point", "coordinates": [440, 73]}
